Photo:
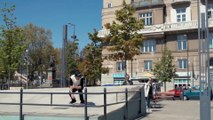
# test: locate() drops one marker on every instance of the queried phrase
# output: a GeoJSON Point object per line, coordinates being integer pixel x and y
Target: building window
{"type": "Point", "coordinates": [109, 5]}
{"type": "Point", "coordinates": [210, 11]}
{"type": "Point", "coordinates": [182, 63]}
{"type": "Point", "coordinates": [148, 65]}
{"type": "Point", "coordinates": [120, 66]}
{"type": "Point", "coordinates": [211, 62]}
{"type": "Point", "coordinates": [181, 14]}
{"type": "Point", "coordinates": [182, 42]}
{"type": "Point", "coordinates": [210, 40]}
{"type": "Point", "coordinates": [149, 46]}
{"type": "Point", "coordinates": [147, 17]}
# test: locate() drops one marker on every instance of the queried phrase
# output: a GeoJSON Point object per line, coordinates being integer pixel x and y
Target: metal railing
{"type": "Point", "coordinates": [126, 102]}
{"type": "Point", "coordinates": [145, 3]}
{"type": "Point", "coordinates": [4, 86]}
{"type": "Point", "coordinates": [177, 1]}
{"type": "Point", "coordinates": [166, 27]}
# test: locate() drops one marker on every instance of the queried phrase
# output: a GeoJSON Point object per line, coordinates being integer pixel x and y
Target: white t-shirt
{"type": "Point", "coordinates": [75, 81]}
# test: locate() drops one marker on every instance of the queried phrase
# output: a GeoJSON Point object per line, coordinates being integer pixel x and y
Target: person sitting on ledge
{"type": "Point", "coordinates": [76, 84]}
{"type": "Point", "coordinates": [127, 81]}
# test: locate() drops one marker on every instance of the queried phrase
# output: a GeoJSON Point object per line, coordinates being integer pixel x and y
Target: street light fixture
{"type": "Point", "coordinates": [73, 36]}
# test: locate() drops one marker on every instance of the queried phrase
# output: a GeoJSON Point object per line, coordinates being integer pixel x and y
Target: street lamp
{"type": "Point", "coordinates": [203, 38]}
{"type": "Point", "coordinates": [73, 36]}
{"type": "Point", "coordinates": [63, 67]}
{"type": "Point", "coordinates": [26, 56]}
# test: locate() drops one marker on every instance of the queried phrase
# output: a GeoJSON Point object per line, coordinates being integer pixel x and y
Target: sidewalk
{"type": "Point", "coordinates": [176, 110]}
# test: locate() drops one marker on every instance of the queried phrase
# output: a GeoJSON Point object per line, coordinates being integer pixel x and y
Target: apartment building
{"type": "Point", "coordinates": [171, 23]}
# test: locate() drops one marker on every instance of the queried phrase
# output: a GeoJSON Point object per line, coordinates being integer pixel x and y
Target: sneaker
{"type": "Point", "coordinates": [73, 101]}
{"type": "Point", "coordinates": [148, 110]}
{"type": "Point", "coordinates": [82, 102]}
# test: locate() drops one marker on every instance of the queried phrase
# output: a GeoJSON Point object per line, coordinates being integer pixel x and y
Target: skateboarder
{"type": "Point", "coordinates": [76, 84]}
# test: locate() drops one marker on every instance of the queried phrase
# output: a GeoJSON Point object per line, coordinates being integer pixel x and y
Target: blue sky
{"type": "Point", "coordinates": [53, 14]}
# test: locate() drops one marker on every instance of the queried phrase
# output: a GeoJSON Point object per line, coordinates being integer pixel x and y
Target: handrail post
{"type": "Point", "coordinates": [21, 104]}
{"type": "Point", "coordinates": [126, 104]}
{"type": "Point", "coordinates": [140, 101]}
{"type": "Point", "coordinates": [85, 105]}
{"type": "Point", "coordinates": [105, 104]}
{"type": "Point", "coordinates": [51, 98]}
{"type": "Point", "coordinates": [116, 96]}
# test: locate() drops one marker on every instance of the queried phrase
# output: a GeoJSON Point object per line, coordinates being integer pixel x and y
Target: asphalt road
{"type": "Point", "coordinates": [176, 110]}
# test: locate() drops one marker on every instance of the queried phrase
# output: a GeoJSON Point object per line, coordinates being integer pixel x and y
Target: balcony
{"type": "Point", "coordinates": [167, 27]}
{"type": "Point", "coordinates": [176, 2]}
{"type": "Point", "coordinates": [147, 3]}
{"type": "Point", "coordinates": [204, 2]}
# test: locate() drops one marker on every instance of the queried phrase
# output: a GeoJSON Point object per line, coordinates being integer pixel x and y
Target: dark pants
{"type": "Point", "coordinates": [80, 94]}
{"type": "Point", "coordinates": [148, 100]}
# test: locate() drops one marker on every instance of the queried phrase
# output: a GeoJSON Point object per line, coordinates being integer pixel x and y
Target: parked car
{"type": "Point", "coordinates": [177, 92]}
{"type": "Point", "coordinates": [193, 93]}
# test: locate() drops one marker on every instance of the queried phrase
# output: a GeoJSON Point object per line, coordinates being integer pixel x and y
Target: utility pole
{"type": "Point", "coordinates": [63, 63]}
{"type": "Point", "coordinates": [203, 38]}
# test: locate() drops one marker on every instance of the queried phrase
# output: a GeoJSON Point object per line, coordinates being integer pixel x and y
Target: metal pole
{"type": "Point", "coordinates": [207, 39]}
{"type": "Point", "coordinates": [63, 64]}
{"type": "Point", "coordinates": [208, 90]}
{"type": "Point", "coordinates": [199, 39]}
{"type": "Point", "coordinates": [21, 75]}
{"type": "Point", "coordinates": [187, 63]}
{"type": "Point", "coordinates": [140, 101]}
{"type": "Point", "coordinates": [105, 104]}
{"type": "Point", "coordinates": [126, 104]}
{"type": "Point", "coordinates": [85, 105]}
{"type": "Point", "coordinates": [51, 98]}
{"type": "Point", "coordinates": [27, 63]}
{"type": "Point", "coordinates": [21, 104]}
{"type": "Point", "coordinates": [131, 68]}
{"type": "Point", "coordinates": [205, 103]}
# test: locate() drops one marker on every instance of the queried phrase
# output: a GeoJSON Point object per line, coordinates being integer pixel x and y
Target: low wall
{"type": "Point", "coordinates": [114, 112]}
{"type": "Point", "coordinates": [132, 109]}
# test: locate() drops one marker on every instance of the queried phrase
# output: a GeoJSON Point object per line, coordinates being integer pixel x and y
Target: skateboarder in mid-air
{"type": "Point", "coordinates": [76, 84]}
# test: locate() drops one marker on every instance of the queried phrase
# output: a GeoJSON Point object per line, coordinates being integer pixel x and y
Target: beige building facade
{"type": "Point", "coordinates": [170, 23]}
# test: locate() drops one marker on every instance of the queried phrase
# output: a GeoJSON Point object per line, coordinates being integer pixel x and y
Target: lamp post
{"type": "Point", "coordinates": [203, 35]}
{"type": "Point", "coordinates": [63, 64]}
{"type": "Point", "coordinates": [27, 65]}
{"type": "Point", "coordinates": [63, 67]}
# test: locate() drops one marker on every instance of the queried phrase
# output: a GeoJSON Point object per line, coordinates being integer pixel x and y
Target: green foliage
{"type": "Point", "coordinates": [12, 43]}
{"type": "Point", "coordinates": [91, 65]}
{"type": "Point", "coordinates": [40, 49]}
{"type": "Point", "coordinates": [72, 57]}
{"type": "Point", "coordinates": [164, 70]}
{"type": "Point", "coordinates": [123, 37]}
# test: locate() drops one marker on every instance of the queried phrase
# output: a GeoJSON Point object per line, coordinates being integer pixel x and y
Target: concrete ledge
{"type": "Point", "coordinates": [114, 112]}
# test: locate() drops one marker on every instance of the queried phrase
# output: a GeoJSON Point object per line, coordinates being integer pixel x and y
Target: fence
{"type": "Point", "coordinates": [4, 86]}
{"type": "Point", "coordinates": [133, 107]}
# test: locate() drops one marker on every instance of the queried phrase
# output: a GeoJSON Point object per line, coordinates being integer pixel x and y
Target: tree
{"type": "Point", "coordinates": [91, 65]}
{"type": "Point", "coordinates": [123, 40]}
{"type": "Point", "coordinates": [72, 57]}
{"type": "Point", "coordinates": [57, 52]}
{"type": "Point", "coordinates": [40, 49]}
{"type": "Point", "coordinates": [12, 43]}
{"type": "Point", "coordinates": [164, 70]}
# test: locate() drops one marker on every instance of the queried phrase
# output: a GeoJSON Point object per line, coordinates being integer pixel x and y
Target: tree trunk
{"type": "Point", "coordinates": [164, 86]}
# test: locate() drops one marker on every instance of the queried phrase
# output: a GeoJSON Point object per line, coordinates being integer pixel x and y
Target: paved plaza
{"type": "Point", "coordinates": [169, 110]}
{"type": "Point", "coordinates": [176, 110]}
